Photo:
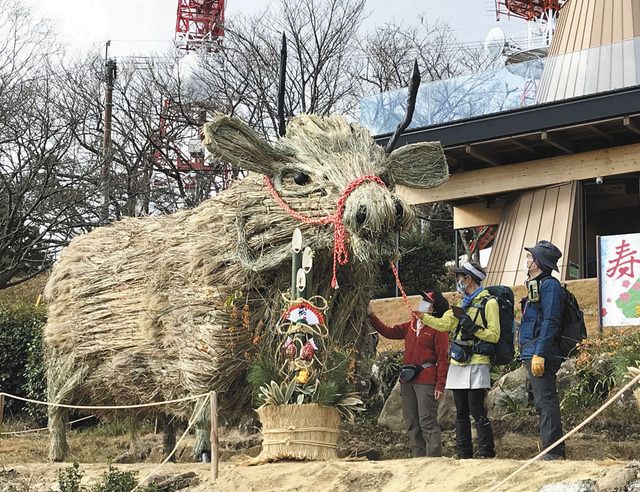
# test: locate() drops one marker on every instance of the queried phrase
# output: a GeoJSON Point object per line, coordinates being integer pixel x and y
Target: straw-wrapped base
{"type": "Point", "coordinates": [304, 432]}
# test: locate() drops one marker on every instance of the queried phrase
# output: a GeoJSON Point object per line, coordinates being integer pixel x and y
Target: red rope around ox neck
{"type": "Point", "coordinates": [340, 234]}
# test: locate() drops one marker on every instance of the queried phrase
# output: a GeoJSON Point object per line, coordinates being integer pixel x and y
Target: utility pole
{"type": "Point", "coordinates": [110, 70]}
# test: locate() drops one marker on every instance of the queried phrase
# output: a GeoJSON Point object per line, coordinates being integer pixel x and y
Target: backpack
{"type": "Point", "coordinates": [572, 330]}
{"type": "Point", "coordinates": [504, 352]}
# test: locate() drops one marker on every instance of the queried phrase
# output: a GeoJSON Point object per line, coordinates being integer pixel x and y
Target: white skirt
{"type": "Point", "coordinates": [469, 376]}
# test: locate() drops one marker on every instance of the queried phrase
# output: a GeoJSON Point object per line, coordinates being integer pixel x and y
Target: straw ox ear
{"type": "Point", "coordinates": [233, 141]}
{"type": "Point", "coordinates": [419, 165]}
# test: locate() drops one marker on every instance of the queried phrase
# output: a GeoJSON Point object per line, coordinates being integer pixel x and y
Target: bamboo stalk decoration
{"type": "Point", "coordinates": [296, 261]}
{"type": "Point", "coordinates": [301, 284]}
{"type": "Point", "coordinates": [307, 264]}
{"type": "Point", "coordinates": [215, 452]}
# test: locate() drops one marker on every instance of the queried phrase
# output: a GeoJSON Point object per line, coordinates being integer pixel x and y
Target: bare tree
{"type": "Point", "coordinates": [43, 192]}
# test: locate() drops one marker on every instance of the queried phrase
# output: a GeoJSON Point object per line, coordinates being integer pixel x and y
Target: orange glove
{"type": "Point", "coordinates": [537, 366]}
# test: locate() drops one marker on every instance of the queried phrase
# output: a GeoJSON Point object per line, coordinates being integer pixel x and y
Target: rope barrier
{"type": "Point", "coordinates": [573, 431]}
{"type": "Point", "coordinates": [116, 407]}
{"type": "Point", "coordinates": [175, 448]}
{"type": "Point", "coordinates": [110, 407]}
{"type": "Point", "coordinates": [29, 431]}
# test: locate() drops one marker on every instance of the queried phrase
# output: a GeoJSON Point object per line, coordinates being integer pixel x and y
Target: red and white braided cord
{"type": "Point", "coordinates": [340, 234]}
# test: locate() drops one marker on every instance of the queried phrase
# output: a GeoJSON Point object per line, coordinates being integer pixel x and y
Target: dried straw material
{"type": "Point", "coordinates": [303, 432]}
{"type": "Point", "coordinates": [427, 165]}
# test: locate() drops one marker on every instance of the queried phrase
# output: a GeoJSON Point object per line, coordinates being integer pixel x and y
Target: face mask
{"type": "Point", "coordinates": [525, 267]}
{"type": "Point", "coordinates": [461, 287]}
{"type": "Point", "coordinates": [424, 306]}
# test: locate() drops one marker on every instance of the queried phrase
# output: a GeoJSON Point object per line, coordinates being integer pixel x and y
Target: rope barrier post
{"type": "Point", "coordinates": [215, 455]}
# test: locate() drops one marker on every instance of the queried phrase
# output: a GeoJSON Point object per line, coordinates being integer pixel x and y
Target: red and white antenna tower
{"type": "Point", "coordinates": [199, 24]}
{"type": "Point", "coordinates": [540, 14]}
{"type": "Point", "coordinates": [199, 27]}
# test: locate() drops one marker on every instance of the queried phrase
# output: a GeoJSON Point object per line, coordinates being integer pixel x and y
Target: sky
{"type": "Point", "coordinates": [147, 26]}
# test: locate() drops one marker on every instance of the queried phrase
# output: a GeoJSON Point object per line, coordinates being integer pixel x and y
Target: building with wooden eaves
{"type": "Point", "coordinates": [564, 166]}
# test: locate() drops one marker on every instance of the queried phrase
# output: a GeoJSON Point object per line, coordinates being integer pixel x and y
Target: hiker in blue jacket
{"type": "Point", "coordinates": [539, 350]}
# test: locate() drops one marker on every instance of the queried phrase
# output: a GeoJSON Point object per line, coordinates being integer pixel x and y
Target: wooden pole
{"type": "Point", "coordinates": [110, 76]}
{"type": "Point", "coordinates": [215, 456]}
{"type": "Point", "coordinates": [1, 411]}
{"type": "Point", "coordinates": [599, 284]}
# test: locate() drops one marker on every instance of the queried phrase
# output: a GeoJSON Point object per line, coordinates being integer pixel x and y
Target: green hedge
{"type": "Point", "coordinates": [21, 357]}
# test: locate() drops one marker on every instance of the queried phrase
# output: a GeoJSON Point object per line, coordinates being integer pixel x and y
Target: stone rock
{"type": "Point", "coordinates": [508, 393]}
{"type": "Point", "coordinates": [391, 414]}
{"type": "Point", "coordinates": [567, 377]}
{"type": "Point", "coordinates": [447, 411]}
{"type": "Point", "coordinates": [627, 401]}
{"type": "Point", "coordinates": [171, 483]}
{"type": "Point", "coordinates": [619, 478]}
{"type": "Point", "coordinates": [634, 486]}
{"type": "Point", "coordinates": [578, 486]}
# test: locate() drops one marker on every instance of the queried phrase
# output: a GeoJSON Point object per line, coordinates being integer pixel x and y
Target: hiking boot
{"type": "Point", "coordinates": [551, 457]}
{"type": "Point", "coordinates": [464, 444]}
{"type": "Point", "coordinates": [486, 446]}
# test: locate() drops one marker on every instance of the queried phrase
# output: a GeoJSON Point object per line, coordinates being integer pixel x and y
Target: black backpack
{"type": "Point", "coordinates": [504, 351]}
{"type": "Point", "coordinates": [572, 329]}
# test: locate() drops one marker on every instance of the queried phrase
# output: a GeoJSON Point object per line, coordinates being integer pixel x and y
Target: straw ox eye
{"type": "Point", "coordinates": [301, 178]}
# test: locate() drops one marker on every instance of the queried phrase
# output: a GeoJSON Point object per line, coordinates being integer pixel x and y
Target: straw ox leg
{"type": "Point", "coordinates": [168, 435]}
{"type": "Point", "coordinates": [203, 436]}
{"type": "Point", "coordinates": [58, 447]}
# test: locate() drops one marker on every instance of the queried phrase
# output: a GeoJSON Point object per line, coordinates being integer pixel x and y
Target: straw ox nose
{"type": "Point", "coordinates": [371, 211]}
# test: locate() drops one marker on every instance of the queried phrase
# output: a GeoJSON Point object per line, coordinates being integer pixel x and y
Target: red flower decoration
{"type": "Point", "coordinates": [291, 351]}
{"type": "Point", "coordinates": [308, 350]}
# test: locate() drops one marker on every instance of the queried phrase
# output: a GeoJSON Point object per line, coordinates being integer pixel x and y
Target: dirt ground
{"type": "Point", "coordinates": [373, 458]}
{"type": "Point", "coordinates": [436, 474]}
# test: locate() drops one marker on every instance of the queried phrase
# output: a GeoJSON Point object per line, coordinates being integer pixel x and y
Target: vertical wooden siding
{"type": "Point", "coordinates": [545, 213]}
{"type": "Point", "coordinates": [588, 53]}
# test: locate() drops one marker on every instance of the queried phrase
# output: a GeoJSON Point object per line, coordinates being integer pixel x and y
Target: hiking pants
{"type": "Point", "coordinates": [545, 399]}
{"type": "Point", "coordinates": [420, 411]}
{"type": "Point", "coordinates": [471, 402]}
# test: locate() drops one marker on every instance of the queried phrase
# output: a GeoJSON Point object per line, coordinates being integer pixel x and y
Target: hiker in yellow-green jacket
{"type": "Point", "coordinates": [472, 345]}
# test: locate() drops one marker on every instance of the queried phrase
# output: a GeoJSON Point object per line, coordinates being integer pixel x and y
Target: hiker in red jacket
{"type": "Point", "coordinates": [426, 361]}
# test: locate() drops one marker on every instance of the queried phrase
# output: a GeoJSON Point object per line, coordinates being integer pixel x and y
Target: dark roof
{"type": "Point", "coordinates": [597, 121]}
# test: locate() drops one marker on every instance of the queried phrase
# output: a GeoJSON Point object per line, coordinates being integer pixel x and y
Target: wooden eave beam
{"type": "Point", "coordinates": [527, 175]}
{"type": "Point", "coordinates": [558, 142]}
{"type": "Point", "coordinates": [631, 124]}
{"type": "Point", "coordinates": [474, 152]}
{"type": "Point", "coordinates": [521, 145]}
{"type": "Point", "coordinates": [597, 131]}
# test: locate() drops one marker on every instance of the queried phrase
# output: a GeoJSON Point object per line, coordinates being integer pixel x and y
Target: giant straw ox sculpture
{"type": "Point", "coordinates": [158, 308]}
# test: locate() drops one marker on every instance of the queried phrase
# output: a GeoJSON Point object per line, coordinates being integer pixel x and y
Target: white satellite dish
{"type": "Point", "coordinates": [191, 71]}
{"type": "Point", "coordinates": [494, 42]}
